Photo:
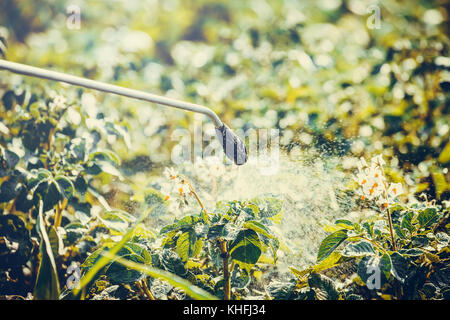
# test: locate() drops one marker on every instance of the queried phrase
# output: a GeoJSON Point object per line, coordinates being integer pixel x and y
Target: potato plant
{"type": "Point", "coordinates": [402, 253]}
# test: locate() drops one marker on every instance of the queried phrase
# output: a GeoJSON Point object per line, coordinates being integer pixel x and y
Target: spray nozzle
{"type": "Point", "coordinates": [232, 145]}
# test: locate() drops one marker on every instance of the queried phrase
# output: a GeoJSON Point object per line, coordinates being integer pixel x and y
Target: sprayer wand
{"type": "Point", "coordinates": [233, 146]}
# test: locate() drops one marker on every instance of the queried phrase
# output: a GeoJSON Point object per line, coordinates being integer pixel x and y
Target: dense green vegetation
{"type": "Point", "coordinates": [92, 207]}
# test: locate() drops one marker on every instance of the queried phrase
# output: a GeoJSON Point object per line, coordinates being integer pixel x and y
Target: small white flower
{"type": "Point", "coordinates": [370, 179]}
{"type": "Point", "coordinates": [170, 173]}
{"type": "Point", "coordinates": [378, 160]}
{"type": "Point", "coordinates": [362, 164]}
{"type": "Point", "coordinates": [394, 190]}
{"type": "Point", "coordinates": [58, 103]}
{"type": "Point", "coordinates": [182, 188]}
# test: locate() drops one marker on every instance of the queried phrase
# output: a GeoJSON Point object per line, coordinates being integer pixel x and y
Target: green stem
{"type": "Point", "coordinates": [226, 271]}
{"type": "Point", "coordinates": [143, 286]}
{"type": "Point", "coordinates": [58, 216]}
{"type": "Point", "coordinates": [371, 241]}
{"type": "Point", "coordinates": [388, 211]}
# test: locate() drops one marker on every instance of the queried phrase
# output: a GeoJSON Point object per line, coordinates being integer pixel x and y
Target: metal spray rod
{"type": "Point", "coordinates": [232, 145]}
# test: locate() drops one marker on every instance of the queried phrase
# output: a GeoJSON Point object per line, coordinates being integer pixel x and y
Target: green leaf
{"type": "Point", "coordinates": [9, 189]}
{"type": "Point", "coordinates": [109, 168]}
{"type": "Point", "coordinates": [198, 247]}
{"type": "Point", "coordinates": [281, 290]}
{"type": "Point", "coordinates": [11, 158]}
{"type": "Point", "coordinates": [427, 217]}
{"type": "Point", "coordinates": [56, 242]}
{"type": "Point", "coordinates": [327, 263]}
{"type": "Point", "coordinates": [268, 206]}
{"type": "Point", "coordinates": [385, 265]}
{"type": "Point", "coordinates": [444, 157]}
{"type": "Point", "coordinates": [240, 278]}
{"type": "Point", "coordinates": [358, 249]}
{"type": "Point", "coordinates": [66, 187]}
{"type": "Point", "coordinates": [345, 224]}
{"type": "Point", "coordinates": [105, 155]}
{"type": "Point", "coordinates": [330, 243]}
{"type": "Point", "coordinates": [115, 220]}
{"type": "Point", "coordinates": [399, 231]}
{"type": "Point", "coordinates": [183, 223]}
{"type": "Point", "coordinates": [258, 228]}
{"type": "Point", "coordinates": [407, 221]}
{"type": "Point", "coordinates": [176, 281]}
{"type": "Point", "coordinates": [186, 244]}
{"type": "Point", "coordinates": [9, 100]}
{"type": "Point", "coordinates": [51, 196]}
{"type": "Point", "coordinates": [215, 231]}
{"type": "Point", "coordinates": [170, 261]}
{"type": "Point", "coordinates": [80, 185]}
{"type": "Point", "coordinates": [324, 285]}
{"type": "Point", "coordinates": [104, 260]}
{"type": "Point", "coordinates": [399, 266]}
{"type": "Point", "coordinates": [414, 252]}
{"type": "Point", "coordinates": [47, 284]}
{"type": "Point", "coordinates": [119, 273]}
{"type": "Point", "coordinates": [246, 247]}
{"type": "Point", "coordinates": [439, 182]}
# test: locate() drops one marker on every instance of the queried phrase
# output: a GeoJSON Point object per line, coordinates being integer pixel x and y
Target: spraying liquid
{"type": "Point", "coordinates": [312, 191]}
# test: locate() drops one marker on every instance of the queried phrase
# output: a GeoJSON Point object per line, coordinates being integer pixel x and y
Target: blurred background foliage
{"type": "Point", "coordinates": [313, 69]}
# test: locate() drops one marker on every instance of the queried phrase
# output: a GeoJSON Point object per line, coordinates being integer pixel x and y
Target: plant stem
{"type": "Point", "coordinates": [226, 271]}
{"type": "Point", "coordinates": [388, 211]}
{"type": "Point", "coordinates": [144, 287]}
{"type": "Point", "coordinates": [196, 196]}
{"type": "Point", "coordinates": [390, 228]}
{"type": "Point", "coordinates": [58, 216]}
{"type": "Point", "coordinates": [59, 210]}
{"type": "Point", "coordinates": [373, 242]}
